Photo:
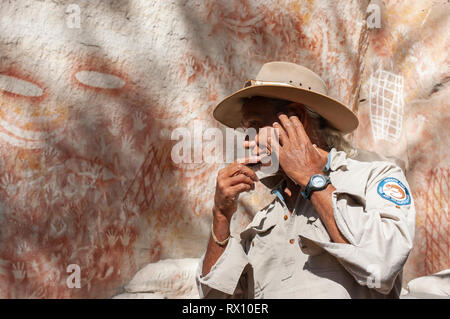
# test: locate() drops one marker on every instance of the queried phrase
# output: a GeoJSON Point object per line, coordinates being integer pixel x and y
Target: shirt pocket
{"type": "Point", "coordinates": [322, 263]}
{"type": "Point", "coordinates": [310, 228]}
{"type": "Point", "coordinates": [263, 258]}
{"type": "Point", "coordinates": [308, 247]}
{"type": "Point", "coordinates": [318, 260]}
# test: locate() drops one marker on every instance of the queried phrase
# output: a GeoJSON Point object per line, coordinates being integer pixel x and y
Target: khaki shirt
{"type": "Point", "coordinates": [279, 255]}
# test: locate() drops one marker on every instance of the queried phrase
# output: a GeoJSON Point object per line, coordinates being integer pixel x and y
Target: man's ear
{"type": "Point", "coordinates": [299, 110]}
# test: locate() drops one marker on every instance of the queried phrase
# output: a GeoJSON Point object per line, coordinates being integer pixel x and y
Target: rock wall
{"type": "Point", "coordinates": [91, 91]}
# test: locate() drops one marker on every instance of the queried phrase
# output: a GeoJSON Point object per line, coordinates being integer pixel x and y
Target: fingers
{"type": "Point", "coordinates": [248, 160]}
{"type": "Point", "coordinates": [274, 144]}
{"type": "Point", "coordinates": [259, 146]}
{"type": "Point", "coordinates": [259, 149]}
{"type": "Point", "coordinates": [250, 173]}
{"type": "Point", "coordinates": [238, 168]}
{"type": "Point", "coordinates": [281, 133]}
{"type": "Point", "coordinates": [299, 128]}
{"type": "Point", "coordinates": [249, 144]}
{"type": "Point", "coordinates": [287, 125]}
{"type": "Point", "coordinates": [241, 179]}
{"type": "Point", "coordinates": [263, 143]}
{"type": "Point", "coordinates": [239, 188]}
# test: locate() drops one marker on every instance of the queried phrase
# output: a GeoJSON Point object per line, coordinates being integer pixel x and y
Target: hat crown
{"type": "Point", "coordinates": [290, 82]}
{"type": "Point", "coordinates": [292, 74]}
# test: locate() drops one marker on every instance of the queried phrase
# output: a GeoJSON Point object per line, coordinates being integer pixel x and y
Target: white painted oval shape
{"type": "Point", "coordinates": [99, 80]}
{"type": "Point", "coordinates": [18, 86]}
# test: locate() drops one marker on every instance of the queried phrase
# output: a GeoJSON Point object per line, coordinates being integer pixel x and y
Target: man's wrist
{"type": "Point", "coordinates": [221, 224]}
{"type": "Point", "coordinates": [219, 214]}
{"type": "Point", "coordinates": [304, 180]}
{"type": "Point", "coordinates": [314, 195]}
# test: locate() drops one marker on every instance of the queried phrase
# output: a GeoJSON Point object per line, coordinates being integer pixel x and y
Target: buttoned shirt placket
{"type": "Point", "coordinates": [290, 241]}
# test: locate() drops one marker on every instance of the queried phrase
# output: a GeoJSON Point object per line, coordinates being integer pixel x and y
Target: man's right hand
{"type": "Point", "coordinates": [231, 181]}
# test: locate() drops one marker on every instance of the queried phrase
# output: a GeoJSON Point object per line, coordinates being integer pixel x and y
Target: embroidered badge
{"type": "Point", "coordinates": [393, 190]}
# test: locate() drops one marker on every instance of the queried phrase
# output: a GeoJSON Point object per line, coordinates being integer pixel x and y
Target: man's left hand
{"type": "Point", "coordinates": [299, 158]}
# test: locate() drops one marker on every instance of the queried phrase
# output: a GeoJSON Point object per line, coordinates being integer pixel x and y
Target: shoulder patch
{"type": "Point", "coordinates": [393, 190]}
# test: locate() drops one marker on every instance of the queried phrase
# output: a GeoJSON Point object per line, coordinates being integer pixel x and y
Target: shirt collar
{"type": "Point", "coordinates": [336, 160]}
{"type": "Point", "coordinates": [278, 189]}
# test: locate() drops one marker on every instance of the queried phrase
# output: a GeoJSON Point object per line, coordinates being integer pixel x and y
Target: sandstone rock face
{"type": "Point", "coordinates": [172, 278]}
{"type": "Point", "coordinates": [405, 113]}
{"type": "Point", "coordinates": [91, 92]}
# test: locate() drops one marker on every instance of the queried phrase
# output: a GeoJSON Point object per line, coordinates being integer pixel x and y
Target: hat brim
{"type": "Point", "coordinates": [229, 111]}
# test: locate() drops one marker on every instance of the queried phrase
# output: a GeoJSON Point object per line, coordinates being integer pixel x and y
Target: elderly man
{"type": "Point", "coordinates": [342, 222]}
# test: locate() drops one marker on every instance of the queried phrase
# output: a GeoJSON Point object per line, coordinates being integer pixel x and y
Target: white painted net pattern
{"type": "Point", "coordinates": [386, 105]}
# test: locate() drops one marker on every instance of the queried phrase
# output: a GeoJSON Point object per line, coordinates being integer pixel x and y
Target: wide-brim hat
{"type": "Point", "coordinates": [291, 82]}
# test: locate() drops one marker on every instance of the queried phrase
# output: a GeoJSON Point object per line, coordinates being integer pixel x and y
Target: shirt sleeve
{"type": "Point", "coordinates": [379, 226]}
{"type": "Point", "coordinates": [228, 276]}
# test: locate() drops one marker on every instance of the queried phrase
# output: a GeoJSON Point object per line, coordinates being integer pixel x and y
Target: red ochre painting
{"type": "Point", "coordinates": [90, 95]}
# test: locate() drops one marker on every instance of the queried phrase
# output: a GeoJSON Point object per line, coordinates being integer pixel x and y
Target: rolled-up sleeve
{"type": "Point", "coordinates": [379, 228]}
{"type": "Point", "coordinates": [226, 278]}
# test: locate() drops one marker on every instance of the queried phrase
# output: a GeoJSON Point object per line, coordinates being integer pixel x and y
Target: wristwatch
{"type": "Point", "coordinates": [316, 183]}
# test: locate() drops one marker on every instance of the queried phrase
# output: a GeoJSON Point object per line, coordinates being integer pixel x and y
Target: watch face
{"type": "Point", "coordinates": [318, 181]}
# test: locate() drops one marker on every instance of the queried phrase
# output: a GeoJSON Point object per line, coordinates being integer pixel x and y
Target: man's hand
{"type": "Point", "coordinates": [298, 157]}
{"type": "Point", "coordinates": [231, 181]}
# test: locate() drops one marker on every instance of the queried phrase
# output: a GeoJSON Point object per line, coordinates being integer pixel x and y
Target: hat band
{"type": "Point", "coordinates": [258, 82]}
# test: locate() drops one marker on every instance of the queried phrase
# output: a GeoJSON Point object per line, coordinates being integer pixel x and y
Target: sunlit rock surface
{"type": "Point", "coordinates": [90, 93]}
{"type": "Point", "coordinates": [169, 278]}
{"type": "Point", "coordinates": [404, 112]}
{"type": "Point", "coordinates": [433, 286]}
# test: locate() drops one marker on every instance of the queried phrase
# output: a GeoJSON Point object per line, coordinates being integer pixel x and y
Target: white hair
{"type": "Point", "coordinates": [331, 136]}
